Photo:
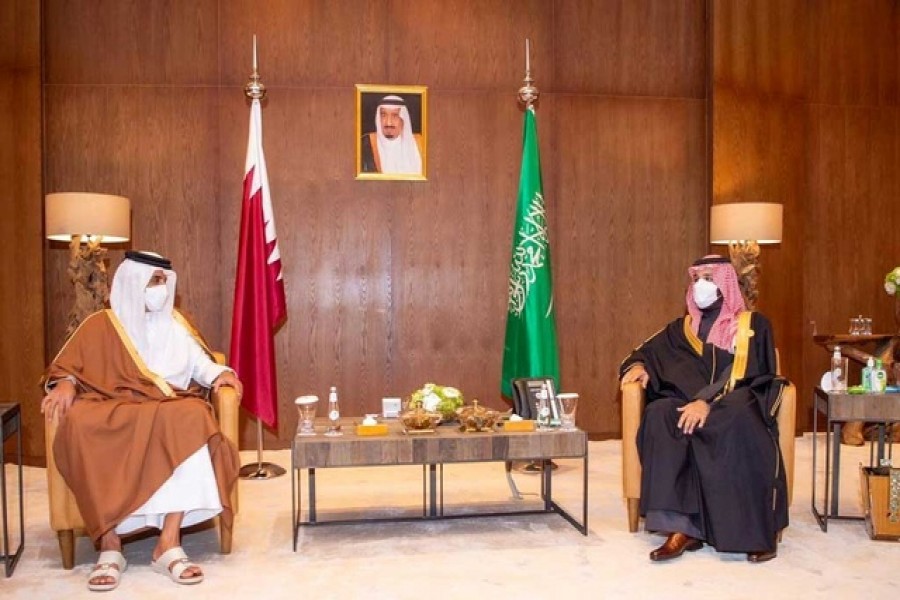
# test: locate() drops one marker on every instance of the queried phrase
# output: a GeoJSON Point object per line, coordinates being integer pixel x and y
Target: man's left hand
{"type": "Point", "coordinates": [230, 379]}
{"type": "Point", "coordinates": [693, 415]}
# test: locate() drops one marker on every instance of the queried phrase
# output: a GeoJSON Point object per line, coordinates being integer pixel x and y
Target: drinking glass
{"type": "Point", "coordinates": [568, 404]}
{"type": "Point", "coordinates": [867, 325]}
{"type": "Point", "coordinates": [306, 410]}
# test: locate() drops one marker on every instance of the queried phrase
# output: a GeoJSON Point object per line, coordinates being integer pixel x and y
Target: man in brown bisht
{"type": "Point", "coordinates": [137, 443]}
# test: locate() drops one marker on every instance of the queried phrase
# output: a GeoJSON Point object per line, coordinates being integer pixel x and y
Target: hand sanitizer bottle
{"type": "Point", "coordinates": [867, 374]}
{"type": "Point", "coordinates": [334, 414]}
{"type": "Point", "coordinates": [879, 378]}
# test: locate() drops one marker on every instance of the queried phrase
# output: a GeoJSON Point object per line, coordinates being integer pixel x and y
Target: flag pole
{"type": "Point", "coordinates": [528, 95]}
{"type": "Point", "coordinates": [255, 90]}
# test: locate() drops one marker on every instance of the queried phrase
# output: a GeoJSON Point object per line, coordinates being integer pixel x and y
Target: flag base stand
{"type": "Point", "coordinates": [260, 469]}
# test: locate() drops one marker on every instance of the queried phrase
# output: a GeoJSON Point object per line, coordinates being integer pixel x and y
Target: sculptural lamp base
{"type": "Point", "coordinates": [744, 257]}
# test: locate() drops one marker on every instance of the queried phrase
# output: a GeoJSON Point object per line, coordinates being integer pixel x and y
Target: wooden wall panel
{"type": "Point", "coordinates": [451, 250]}
{"type": "Point", "coordinates": [391, 284]}
{"type": "Point", "coordinates": [314, 43]}
{"type": "Point", "coordinates": [465, 45]}
{"type": "Point", "coordinates": [131, 42]}
{"type": "Point", "coordinates": [627, 47]}
{"type": "Point", "coordinates": [854, 52]}
{"type": "Point", "coordinates": [761, 47]}
{"type": "Point", "coordinates": [628, 224]}
{"type": "Point", "coordinates": [851, 234]}
{"type": "Point", "coordinates": [804, 112]}
{"type": "Point", "coordinates": [157, 146]}
{"type": "Point", "coordinates": [21, 291]}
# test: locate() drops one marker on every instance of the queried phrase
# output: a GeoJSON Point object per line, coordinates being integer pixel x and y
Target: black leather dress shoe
{"type": "Point", "coordinates": [758, 557]}
{"type": "Point", "coordinates": [676, 545]}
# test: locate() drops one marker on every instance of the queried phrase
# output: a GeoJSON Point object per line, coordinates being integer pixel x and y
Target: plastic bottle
{"type": "Point", "coordinates": [878, 377]}
{"type": "Point", "coordinates": [543, 406]}
{"type": "Point", "coordinates": [838, 377]}
{"type": "Point", "coordinates": [334, 413]}
{"type": "Point", "coordinates": [867, 374]}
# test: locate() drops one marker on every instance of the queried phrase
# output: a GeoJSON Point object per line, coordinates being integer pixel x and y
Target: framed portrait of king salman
{"type": "Point", "coordinates": [391, 132]}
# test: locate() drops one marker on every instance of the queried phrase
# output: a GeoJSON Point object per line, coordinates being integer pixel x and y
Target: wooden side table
{"type": "Point", "coordinates": [11, 419]}
{"type": "Point", "coordinates": [839, 409]}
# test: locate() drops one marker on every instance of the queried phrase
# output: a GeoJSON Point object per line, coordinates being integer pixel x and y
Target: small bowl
{"type": "Point", "coordinates": [419, 419]}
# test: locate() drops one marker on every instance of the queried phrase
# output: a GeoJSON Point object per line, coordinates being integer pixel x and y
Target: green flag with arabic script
{"type": "Point", "coordinates": [530, 348]}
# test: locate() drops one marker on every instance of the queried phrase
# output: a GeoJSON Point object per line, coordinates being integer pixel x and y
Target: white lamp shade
{"type": "Point", "coordinates": [758, 222]}
{"type": "Point", "coordinates": [79, 213]}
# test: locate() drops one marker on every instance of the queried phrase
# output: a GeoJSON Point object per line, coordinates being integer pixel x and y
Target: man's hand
{"type": "Point", "coordinates": [636, 373]}
{"type": "Point", "coordinates": [693, 415]}
{"type": "Point", "coordinates": [59, 400]}
{"type": "Point", "coordinates": [230, 379]}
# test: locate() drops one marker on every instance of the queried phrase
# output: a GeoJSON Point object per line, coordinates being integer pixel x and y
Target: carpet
{"type": "Point", "coordinates": [497, 557]}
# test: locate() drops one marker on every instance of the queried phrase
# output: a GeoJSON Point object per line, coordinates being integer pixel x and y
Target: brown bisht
{"type": "Point", "coordinates": [725, 481]}
{"type": "Point", "coordinates": [128, 429]}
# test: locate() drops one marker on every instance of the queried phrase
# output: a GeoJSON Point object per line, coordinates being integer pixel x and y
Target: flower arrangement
{"type": "Point", "coordinates": [892, 281]}
{"type": "Point", "coordinates": [438, 398]}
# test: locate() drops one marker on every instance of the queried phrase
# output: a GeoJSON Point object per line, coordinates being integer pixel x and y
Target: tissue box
{"type": "Point", "coordinates": [378, 429]}
{"type": "Point", "coordinates": [524, 425]}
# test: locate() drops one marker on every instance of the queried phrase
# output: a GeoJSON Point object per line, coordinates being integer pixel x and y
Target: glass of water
{"type": "Point", "coordinates": [306, 411]}
{"type": "Point", "coordinates": [568, 404]}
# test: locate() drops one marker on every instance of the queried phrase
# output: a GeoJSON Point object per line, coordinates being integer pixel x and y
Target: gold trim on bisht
{"type": "Point", "coordinates": [161, 383]}
{"type": "Point", "coordinates": [742, 348]}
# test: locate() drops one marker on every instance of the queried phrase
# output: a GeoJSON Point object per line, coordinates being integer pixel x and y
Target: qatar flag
{"type": "Point", "coordinates": [259, 303]}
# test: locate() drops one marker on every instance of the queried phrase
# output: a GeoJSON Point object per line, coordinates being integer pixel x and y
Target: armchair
{"type": "Point", "coordinates": [633, 402]}
{"type": "Point", "coordinates": [65, 518]}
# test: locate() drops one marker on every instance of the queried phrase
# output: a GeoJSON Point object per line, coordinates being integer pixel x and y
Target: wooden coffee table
{"type": "Point", "coordinates": [446, 445]}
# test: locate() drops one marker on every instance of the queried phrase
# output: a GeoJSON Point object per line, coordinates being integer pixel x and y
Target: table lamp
{"type": "Point", "coordinates": [744, 226]}
{"type": "Point", "coordinates": [86, 220]}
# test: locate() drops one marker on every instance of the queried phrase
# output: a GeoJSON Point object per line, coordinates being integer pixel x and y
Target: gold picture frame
{"type": "Point", "coordinates": [380, 111]}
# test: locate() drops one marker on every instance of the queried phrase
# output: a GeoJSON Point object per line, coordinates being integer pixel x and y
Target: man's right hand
{"type": "Point", "coordinates": [636, 373]}
{"type": "Point", "coordinates": [59, 400]}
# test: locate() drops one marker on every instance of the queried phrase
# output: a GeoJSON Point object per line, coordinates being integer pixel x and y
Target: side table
{"type": "Point", "coordinates": [11, 419]}
{"type": "Point", "coordinates": [840, 408]}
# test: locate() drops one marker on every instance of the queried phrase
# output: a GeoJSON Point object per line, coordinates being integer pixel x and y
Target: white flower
{"type": "Point", "coordinates": [430, 401]}
{"type": "Point", "coordinates": [451, 392]}
{"type": "Point", "coordinates": [890, 288]}
{"type": "Point", "coordinates": [897, 273]}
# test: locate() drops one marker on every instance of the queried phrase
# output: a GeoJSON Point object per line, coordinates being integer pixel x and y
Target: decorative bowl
{"type": "Point", "coordinates": [473, 418]}
{"type": "Point", "coordinates": [419, 419]}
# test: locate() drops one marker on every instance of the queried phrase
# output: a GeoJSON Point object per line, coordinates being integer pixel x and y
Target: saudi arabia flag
{"type": "Point", "coordinates": [530, 347]}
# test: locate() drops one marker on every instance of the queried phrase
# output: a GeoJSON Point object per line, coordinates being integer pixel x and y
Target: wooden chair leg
{"type": "Point", "coordinates": [634, 513]}
{"type": "Point", "coordinates": [66, 539]}
{"type": "Point", "coordinates": [224, 537]}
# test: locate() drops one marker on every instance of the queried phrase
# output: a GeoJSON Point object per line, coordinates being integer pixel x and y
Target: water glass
{"type": "Point", "coordinates": [568, 404]}
{"type": "Point", "coordinates": [839, 372]}
{"type": "Point", "coordinates": [867, 325]}
{"type": "Point", "coordinates": [306, 410]}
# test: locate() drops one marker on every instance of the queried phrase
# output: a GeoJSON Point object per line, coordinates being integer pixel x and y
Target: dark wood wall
{"type": "Point", "coordinates": [392, 284]}
{"type": "Point", "coordinates": [21, 262]}
{"type": "Point", "coordinates": [805, 112]}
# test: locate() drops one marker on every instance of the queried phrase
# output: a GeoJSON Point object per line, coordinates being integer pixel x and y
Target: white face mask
{"type": "Point", "coordinates": [705, 293]}
{"type": "Point", "coordinates": [155, 297]}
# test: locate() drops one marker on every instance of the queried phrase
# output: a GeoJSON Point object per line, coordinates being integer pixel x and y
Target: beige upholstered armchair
{"type": "Point", "coordinates": [64, 516]}
{"type": "Point", "coordinates": [633, 402]}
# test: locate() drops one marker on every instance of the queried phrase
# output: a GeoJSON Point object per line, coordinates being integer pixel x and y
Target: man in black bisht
{"type": "Point", "coordinates": [711, 467]}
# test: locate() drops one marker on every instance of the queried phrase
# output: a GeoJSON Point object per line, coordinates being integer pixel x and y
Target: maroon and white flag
{"type": "Point", "coordinates": [259, 302]}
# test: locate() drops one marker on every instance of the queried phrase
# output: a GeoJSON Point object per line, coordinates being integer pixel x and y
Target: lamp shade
{"type": "Point", "coordinates": [80, 213]}
{"type": "Point", "coordinates": [758, 222]}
